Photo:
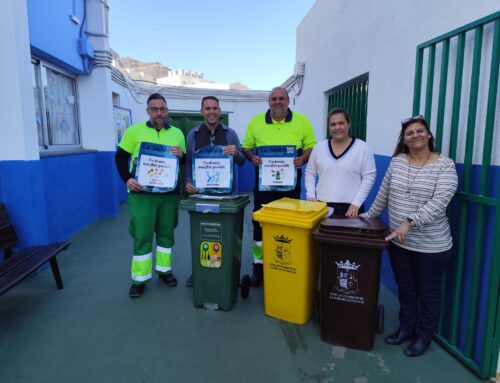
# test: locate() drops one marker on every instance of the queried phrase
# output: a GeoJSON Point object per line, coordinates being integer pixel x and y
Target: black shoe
{"type": "Point", "coordinates": [169, 279]}
{"type": "Point", "coordinates": [417, 347]}
{"type": "Point", "coordinates": [189, 282]}
{"type": "Point", "coordinates": [258, 275]}
{"type": "Point", "coordinates": [136, 290]}
{"type": "Point", "coordinates": [399, 337]}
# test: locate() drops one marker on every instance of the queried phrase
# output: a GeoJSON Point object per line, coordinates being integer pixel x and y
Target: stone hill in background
{"type": "Point", "coordinates": [156, 72]}
{"type": "Point", "coordinates": [154, 69]}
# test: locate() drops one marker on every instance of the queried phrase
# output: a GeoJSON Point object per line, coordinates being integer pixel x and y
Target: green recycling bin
{"type": "Point", "coordinates": [216, 224]}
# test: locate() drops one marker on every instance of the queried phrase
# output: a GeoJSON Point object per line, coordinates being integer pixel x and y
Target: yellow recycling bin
{"type": "Point", "coordinates": [291, 262]}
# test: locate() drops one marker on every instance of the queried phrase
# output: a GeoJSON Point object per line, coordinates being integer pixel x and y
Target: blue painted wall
{"type": "Point", "coordinates": [53, 36]}
{"type": "Point", "coordinates": [55, 197]}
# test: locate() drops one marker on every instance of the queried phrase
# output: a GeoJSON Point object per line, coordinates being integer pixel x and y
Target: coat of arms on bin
{"type": "Point", "coordinates": [347, 277]}
{"type": "Point", "coordinates": [282, 249]}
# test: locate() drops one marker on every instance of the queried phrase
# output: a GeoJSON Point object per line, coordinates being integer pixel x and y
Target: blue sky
{"type": "Point", "coordinates": [252, 42]}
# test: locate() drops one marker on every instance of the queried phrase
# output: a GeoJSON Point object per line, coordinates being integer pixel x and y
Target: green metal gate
{"type": "Point", "coordinates": [456, 88]}
{"type": "Point", "coordinates": [186, 121]}
{"type": "Point", "coordinates": [352, 96]}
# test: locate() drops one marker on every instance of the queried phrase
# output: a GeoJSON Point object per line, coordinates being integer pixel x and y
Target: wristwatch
{"type": "Point", "coordinates": [410, 221]}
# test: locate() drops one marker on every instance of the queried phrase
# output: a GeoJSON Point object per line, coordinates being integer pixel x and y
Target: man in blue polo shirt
{"type": "Point", "coordinates": [210, 132]}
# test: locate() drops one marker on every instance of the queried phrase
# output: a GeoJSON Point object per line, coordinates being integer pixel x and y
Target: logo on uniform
{"type": "Point", "coordinates": [282, 249]}
{"type": "Point", "coordinates": [347, 277]}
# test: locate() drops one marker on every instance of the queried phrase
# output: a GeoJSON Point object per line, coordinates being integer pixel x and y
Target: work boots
{"type": "Point", "coordinates": [258, 275]}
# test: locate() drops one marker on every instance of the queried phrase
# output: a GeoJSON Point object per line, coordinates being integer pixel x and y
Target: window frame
{"type": "Point", "coordinates": [40, 67]}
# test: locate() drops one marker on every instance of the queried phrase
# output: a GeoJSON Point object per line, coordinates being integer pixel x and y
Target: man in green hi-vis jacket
{"type": "Point", "coordinates": [150, 213]}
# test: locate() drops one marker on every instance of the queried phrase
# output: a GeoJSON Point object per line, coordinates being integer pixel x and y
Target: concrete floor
{"type": "Point", "coordinates": [93, 332]}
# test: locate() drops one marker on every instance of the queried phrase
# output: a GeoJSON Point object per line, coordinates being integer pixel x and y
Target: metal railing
{"type": "Point", "coordinates": [456, 89]}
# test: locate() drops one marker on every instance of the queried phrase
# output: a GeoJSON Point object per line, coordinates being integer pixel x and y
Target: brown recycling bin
{"type": "Point", "coordinates": [350, 251]}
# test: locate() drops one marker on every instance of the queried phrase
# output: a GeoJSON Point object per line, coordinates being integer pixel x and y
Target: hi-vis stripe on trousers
{"type": "Point", "coordinates": [152, 214]}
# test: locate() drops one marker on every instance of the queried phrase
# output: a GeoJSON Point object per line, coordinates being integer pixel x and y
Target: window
{"type": "Point", "coordinates": [352, 96]}
{"type": "Point", "coordinates": [56, 107]}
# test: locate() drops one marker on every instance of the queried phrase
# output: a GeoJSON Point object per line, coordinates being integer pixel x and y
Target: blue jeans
{"type": "Point", "coordinates": [419, 277]}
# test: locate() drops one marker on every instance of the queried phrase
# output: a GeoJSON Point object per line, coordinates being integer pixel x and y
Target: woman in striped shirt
{"type": "Point", "coordinates": [417, 189]}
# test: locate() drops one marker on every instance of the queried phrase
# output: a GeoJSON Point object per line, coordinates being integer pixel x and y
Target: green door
{"type": "Point", "coordinates": [186, 121]}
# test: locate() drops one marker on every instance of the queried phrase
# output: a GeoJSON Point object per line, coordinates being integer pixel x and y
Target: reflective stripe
{"type": "Point", "coordinates": [257, 243]}
{"type": "Point", "coordinates": [164, 249]}
{"type": "Point", "coordinates": [141, 278]}
{"type": "Point", "coordinates": [144, 257]}
{"type": "Point", "coordinates": [255, 260]}
{"type": "Point", "coordinates": [163, 269]}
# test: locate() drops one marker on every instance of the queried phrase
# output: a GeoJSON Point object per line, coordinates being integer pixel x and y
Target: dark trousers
{"type": "Point", "coordinates": [262, 197]}
{"type": "Point", "coordinates": [419, 276]}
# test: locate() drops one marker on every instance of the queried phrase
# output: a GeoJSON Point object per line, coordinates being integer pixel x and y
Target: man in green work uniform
{"type": "Point", "coordinates": [150, 213]}
{"type": "Point", "coordinates": [278, 126]}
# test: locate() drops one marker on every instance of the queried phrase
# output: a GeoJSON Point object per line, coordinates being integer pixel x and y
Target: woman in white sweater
{"type": "Point", "coordinates": [343, 167]}
{"type": "Point", "coordinates": [417, 188]}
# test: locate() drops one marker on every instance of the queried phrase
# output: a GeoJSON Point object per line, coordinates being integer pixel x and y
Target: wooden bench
{"type": "Point", "coordinates": [19, 264]}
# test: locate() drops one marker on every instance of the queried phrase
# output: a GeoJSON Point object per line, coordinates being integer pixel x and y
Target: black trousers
{"type": "Point", "coordinates": [263, 197]}
{"type": "Point", "coordinates": [418, 276]}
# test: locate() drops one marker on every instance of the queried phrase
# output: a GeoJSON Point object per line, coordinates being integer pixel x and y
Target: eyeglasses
{"type": "Point", "coordinates": [407, 121]}
{"type": "Point", "coordinates": [156, 110]}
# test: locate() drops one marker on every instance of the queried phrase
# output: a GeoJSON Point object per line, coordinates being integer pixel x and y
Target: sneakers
{"type": "Point", "coordinates": [258, 275]}
{"type": "Point", "coordinates": [169, 279]}
{"type": "Point", "coordinates": [136, 290]}
{"type": "Point", "coordinates": [189, 282]}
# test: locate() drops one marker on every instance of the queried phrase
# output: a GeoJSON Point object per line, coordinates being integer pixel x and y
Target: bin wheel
{"type": "Point", "coordinates": [245, 286]}
{"type": "Point", "coordinates": [380, 319]}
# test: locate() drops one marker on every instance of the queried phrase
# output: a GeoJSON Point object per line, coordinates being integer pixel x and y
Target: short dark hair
{"type": "Point", "coordinates": [209, 98]}
{"type": "Point", "coordinates": [156, 96]}
{"type": "Point", "coordinates": [339, 111]}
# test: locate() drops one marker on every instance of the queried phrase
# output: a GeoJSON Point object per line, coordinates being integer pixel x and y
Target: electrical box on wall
{"type": "Point", "coordinates": [85, 48]}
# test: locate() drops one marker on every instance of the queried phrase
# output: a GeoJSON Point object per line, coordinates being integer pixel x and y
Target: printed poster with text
{"type": "Point", "coordinates": [212, 170]}
{"type": "Point", "coordinates": [276, 171]}
{"type": "Point", "coordinates": [157, 169]}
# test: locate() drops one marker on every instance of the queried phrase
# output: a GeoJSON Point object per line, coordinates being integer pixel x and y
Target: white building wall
{"type": "Point", "coordinates": [17, 110]}
{"type": "Point", "coordinates": [96, 102]}
{"type": "Point", "coordinates": [342, 39]}
{"type": "Point", "coordinates": [96, 110]}
{"type": "Point", "coordinates": [241, 106]}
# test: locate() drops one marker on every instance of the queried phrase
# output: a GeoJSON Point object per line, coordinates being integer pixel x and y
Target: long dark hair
{"type": "Point", "coordinates": [401, 147]}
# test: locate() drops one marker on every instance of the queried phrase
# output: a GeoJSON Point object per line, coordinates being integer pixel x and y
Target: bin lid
{"type": "Point", "coordinates": [218, 203]}
{"type": "Point", "coordinates": [352, 231]}
{"type": "Point", "coordinates": [292, 212]}
{"type": "Point", "coordinates": [354, 227]}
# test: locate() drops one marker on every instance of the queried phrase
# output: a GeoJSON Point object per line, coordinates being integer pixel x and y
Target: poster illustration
{"type": "Point", "coordinates": [277, 172]}
{"type": "Point", "coordinates": [212, 170]}
{"type": "Point", "coordinates": [157, 169]}
{"type": "Point", "coordinates": [123, 119]}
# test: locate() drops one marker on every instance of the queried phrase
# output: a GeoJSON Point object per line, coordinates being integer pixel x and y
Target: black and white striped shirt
{"type": "Point", "coordinates": [421, 194]}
